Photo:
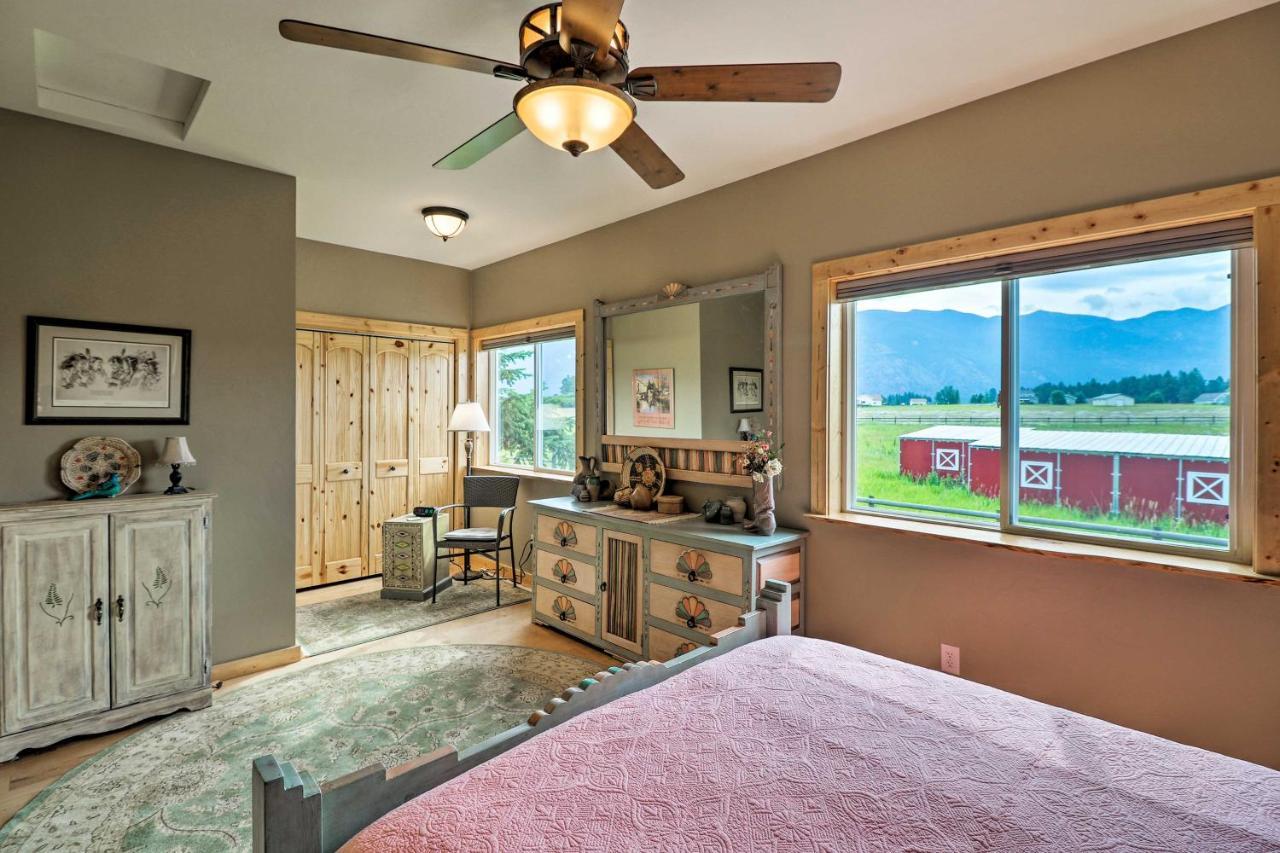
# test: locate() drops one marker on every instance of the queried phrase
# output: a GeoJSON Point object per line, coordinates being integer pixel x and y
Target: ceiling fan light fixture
{"type": "Point", "coordinates": [575, 114]}
{"type": "Point", "coordinates": [445, 222]}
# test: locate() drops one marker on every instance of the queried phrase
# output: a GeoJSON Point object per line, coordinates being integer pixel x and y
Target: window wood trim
{"type": "Point", "coordinates": [480, 379]}
{"type": "Point", "coordinates": [1259, 199]}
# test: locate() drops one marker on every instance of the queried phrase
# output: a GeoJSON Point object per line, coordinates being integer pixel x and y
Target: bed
{"type": "Point", "coordinates": [795, 744]}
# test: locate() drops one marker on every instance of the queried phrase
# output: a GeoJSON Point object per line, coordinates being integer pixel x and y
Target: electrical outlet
{"type": "Point", "coordinates": [951, 659]}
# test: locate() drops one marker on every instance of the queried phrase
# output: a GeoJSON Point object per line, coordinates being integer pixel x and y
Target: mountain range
{"type": "Point", "coordinates": [923, 351]}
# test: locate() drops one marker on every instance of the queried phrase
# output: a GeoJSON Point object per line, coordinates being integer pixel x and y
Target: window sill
{"type": "Point", "coordinates": [527, 473]}
{"type": "Point", "coordinates": [1176, 563]}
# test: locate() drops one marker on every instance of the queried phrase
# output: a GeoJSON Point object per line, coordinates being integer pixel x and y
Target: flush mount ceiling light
{"type": "Point", "coordinates": [445, 222]}
{"type": "Point", "coordinates": [575, 61]}
{"type": "Point", "coordinates": [575, 113]}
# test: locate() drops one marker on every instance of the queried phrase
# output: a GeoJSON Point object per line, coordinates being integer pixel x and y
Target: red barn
{"type": "Point", "coordinates": [1149, 475]}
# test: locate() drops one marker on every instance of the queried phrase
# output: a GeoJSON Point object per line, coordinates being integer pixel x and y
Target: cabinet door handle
{"type": "Point", "coordinates": [119, 608]}
{"type": "Point", "coordinates": [604, 585]}
{"type": "Point", "coordinates": [97, 611]}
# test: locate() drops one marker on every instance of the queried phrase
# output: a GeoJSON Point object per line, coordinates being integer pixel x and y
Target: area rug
{"type": "Point", "coordinates": [358, 619]}
{"type": "Point", "coordinates": [183, 783]}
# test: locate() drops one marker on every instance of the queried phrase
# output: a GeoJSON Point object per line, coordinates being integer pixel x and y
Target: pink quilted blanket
{"type": "Point", "coordinates": [792, 744]}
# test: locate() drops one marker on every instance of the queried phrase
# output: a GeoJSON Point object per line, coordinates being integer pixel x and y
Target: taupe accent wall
{"type": "Point", "coordinates": [94, 226]}
{"type": "Point", "coordinates": [1187, 658]}
{"type": "Point", "coordinates": [357, 283]}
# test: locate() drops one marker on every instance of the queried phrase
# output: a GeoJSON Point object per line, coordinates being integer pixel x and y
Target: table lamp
{"type": "Point", "coordinates": [176, 454]}
{"type": "Point", "coordinates": [744, 429]}
{"type": "Point", "coordinates": [468, 418]}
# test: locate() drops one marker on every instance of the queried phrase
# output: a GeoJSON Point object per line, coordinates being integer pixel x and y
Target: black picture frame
{"type": "Point", "coordinates": [31, 413]}
{"type": "Point", "coordinates": [734, 406]}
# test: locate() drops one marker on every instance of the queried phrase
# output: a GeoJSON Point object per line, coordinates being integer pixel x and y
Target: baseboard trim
{"type": "Point", "coordinates": [257, 663]}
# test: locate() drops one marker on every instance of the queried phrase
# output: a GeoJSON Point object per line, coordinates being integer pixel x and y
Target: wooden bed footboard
{"type": "Point", "coordinates": [294, 814]}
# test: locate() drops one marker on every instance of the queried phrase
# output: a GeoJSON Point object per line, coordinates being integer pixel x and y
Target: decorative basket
{"type": "Point", "coordinates": [671, 504]}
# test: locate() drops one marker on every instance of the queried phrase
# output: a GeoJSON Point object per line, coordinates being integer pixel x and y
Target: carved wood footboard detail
{"type": "Point", "coordinates": [294, 814]}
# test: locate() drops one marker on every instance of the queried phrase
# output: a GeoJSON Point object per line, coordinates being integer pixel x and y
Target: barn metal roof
{"type": "Point", "coordinates": [1170, 445]}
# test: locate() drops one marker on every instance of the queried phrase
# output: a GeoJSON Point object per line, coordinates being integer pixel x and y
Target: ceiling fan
{"type": "Point", "coordinates": [580, 90]}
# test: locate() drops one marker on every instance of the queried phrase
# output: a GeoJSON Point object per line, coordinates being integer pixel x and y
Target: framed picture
{"type": "Point", "coordinates": [106, 373]}
{"type": "Point", "coordinates": [654, 395]}
{"type": "Point", "coordinates": [746, 389]}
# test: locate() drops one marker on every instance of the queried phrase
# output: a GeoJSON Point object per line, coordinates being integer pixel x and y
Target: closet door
{"type": "Point", "coordinates": [344, 417]}
{"type": "Point", "coordinates": [308, 498]}
{"type": "Point", "coordinates": [390, 392]}
{"type": "Point", "coordinates": [433, 403]}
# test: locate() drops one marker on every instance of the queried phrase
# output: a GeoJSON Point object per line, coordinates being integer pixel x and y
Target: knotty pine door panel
{"type": "Point", "coordinates": [344, 426]}
{"type": "Point", "coordinates": [433, 402]}
{"type": "Point", "coordinates": [390, 393]}
{"type": "Point", "coordinates": [308, 479]}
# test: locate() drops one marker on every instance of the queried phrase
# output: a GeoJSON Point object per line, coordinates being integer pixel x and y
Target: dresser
{"type": "Point", "coordinates": [652, 591]}
{"type": "Point", "coordinates": [104, 614]}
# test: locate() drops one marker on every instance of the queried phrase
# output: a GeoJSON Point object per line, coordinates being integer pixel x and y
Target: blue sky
{"type": "Point", "coordinates": [1118, 292]}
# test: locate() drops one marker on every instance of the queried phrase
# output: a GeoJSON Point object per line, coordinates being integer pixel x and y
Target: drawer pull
{"type": "Point", "coordinates": [563, 608]}
{"type": "Point", "coordinates": [563, 572]}
{"type": "Point", "coordinates": [346, 470]}
{"type": "Point", "coordinates": [566, 535]}
{"type": "Point", "coordinates": [694, 565]}
{"type": "Point", "coordinates": [693, 612]}
{"type": "Point", "coordinates": [604, 585]}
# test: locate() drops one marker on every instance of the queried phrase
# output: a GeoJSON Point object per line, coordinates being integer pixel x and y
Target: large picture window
{"type": "Point", "coordinates": [1084, 393]}
{"type": "Point", "coordinates": [535, 412]}
{"type": "Point", "coordinates": [527, 380]}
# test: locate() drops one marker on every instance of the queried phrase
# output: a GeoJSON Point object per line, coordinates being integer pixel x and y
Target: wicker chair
{"type": "Point", "coordinates": [479, 493]}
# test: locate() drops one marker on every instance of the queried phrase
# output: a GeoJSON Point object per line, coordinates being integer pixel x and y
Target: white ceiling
{"type": "Point", "coordinates": [360, 132]}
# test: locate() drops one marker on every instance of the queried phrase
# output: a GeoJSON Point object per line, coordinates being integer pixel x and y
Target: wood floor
{"type": "Point", "coordinates": [30, 773]}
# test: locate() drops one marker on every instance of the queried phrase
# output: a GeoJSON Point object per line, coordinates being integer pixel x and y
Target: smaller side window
{"type": "Point", "coordinates": [1037, 475]}
{"type": "Point", "coordinates": [946, 460]}
{"type": "Point", "coordinates": [1207, 488]}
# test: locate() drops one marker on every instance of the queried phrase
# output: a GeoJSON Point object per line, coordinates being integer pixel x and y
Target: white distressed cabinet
{"type": "Point", "coordinates": [104, 614]}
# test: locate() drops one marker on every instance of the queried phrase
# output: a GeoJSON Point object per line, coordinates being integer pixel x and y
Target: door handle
{"type": "Point", "coordinates": [120, 608]}
{"type": "Point", "coordinates": [97, 611]}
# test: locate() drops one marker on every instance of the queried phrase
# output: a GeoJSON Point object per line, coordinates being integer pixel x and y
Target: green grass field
{"type": "Point", "coordinates": [878, 472]}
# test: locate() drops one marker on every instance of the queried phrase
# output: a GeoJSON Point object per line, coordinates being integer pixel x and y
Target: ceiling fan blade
{"type": "Point", "coordinates": [319, 34]}
{"type": "Point", "coordinates": [483, 143]}
{"type": "Point", "coordinates": [786, 82]}
{"type": "Point", "coordinates": [638, 150]}
{"type": "Point", "coordinates": [591, 21]}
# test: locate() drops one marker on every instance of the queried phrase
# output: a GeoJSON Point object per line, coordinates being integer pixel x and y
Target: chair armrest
{"type": "Point", "coordinates": [502, 519]}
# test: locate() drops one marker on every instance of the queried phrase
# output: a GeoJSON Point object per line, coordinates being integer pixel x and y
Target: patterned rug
{"type": "Point", "coordinates": [183, 783]}
{"type": "Point", "coordinates": [360, 618]}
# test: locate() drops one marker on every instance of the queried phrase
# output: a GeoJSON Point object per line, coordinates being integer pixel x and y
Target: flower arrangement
{"type": "Point", "coordinates": [761, 459]}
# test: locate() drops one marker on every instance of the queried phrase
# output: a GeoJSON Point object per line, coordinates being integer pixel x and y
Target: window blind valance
{"type": "Point", "coordinates": [541, 336]}
{"type": "Point", "coordinates": [1166, 243]}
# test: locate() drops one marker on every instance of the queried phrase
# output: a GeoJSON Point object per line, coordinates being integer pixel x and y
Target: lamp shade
{"type": "Point", "coordinates": [744, 425]}
{"type": "Point", "coordinates": [468, 417]}
{"type": "Point", "coordinates": [575, 114]}
{"type": "Point", "coordinates": [176, 451]}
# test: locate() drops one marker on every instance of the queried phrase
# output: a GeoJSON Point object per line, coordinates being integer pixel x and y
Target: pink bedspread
{"type": "Point", "coordinates": [791, 744]}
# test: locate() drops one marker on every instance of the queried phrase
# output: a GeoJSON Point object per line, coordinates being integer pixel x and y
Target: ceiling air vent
{"type": "Point", "coordinates": [86, 82]}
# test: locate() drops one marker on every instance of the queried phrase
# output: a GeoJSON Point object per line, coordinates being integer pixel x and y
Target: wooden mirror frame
{"type": "Point", "coordinates": [768, 282]}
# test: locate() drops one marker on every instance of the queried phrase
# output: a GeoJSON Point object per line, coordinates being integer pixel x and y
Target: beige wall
{"type": "Point", "coordinates": [98, 227]}
{"type": "Point", "coordinates": [341, 280]}
{"type": "Point", "coordinates": [1186, 658]}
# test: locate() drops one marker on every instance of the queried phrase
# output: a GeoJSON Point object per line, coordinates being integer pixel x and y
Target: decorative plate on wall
{"type": "Point", "coordinates": [644, 469]}
{"type": "Point", "coordinates": [93, 459]}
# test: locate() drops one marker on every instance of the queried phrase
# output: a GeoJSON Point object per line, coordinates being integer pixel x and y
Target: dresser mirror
{"type": "Point", "coordinates": [688, 367]}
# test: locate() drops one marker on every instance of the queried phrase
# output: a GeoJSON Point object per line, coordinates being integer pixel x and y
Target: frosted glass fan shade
{"type": "Point", "coordinates": [468, 417]}
{"type": "Point", "coordinates": [575, 114]}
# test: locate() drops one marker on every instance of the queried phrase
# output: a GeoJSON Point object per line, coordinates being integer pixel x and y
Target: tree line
{"type": "Point", "coordinates": [1168, 387]}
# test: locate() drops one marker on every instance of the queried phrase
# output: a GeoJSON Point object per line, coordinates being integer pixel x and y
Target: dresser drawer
{"type": "Point", "coordinates": [664, 645]}
{"type": "Point", "coordinates": [569, 535]}
{"type": "Point", "coordinates": [697, 566]}
{"type": "Point", "coordinates": [578, 575]}
{"type": "Point", "coordinates": [557, 608]}
{"type": "Point", "coordinates": [691, 610]}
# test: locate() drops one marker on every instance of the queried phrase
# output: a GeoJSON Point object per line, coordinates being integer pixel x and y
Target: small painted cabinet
{"type": "Point", "coordinates": [654, 591]}
{"type": "Point", "coordinates": [104, 617]}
